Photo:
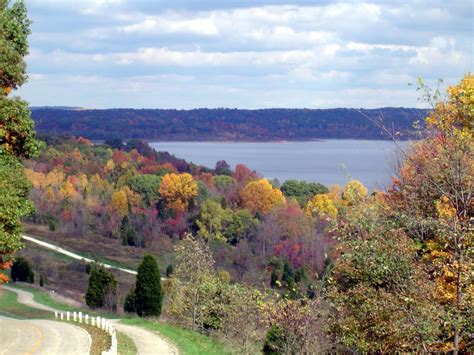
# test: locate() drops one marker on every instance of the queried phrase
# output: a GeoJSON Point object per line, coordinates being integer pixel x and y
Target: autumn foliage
{"type": "Point", "coordinates": [177, 190]}
{"type": "Point", "coordinates": [261, 197]}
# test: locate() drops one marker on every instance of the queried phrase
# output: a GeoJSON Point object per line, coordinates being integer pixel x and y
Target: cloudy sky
{"type": "Point", "coordinates": [243, 53]}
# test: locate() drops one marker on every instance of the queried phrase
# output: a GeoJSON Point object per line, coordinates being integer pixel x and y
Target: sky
{"type": "Point", "coordinates": [242, 53]}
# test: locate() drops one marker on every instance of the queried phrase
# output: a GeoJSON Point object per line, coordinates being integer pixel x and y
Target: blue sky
{"type": "Point", "coordinates": [242, 53]}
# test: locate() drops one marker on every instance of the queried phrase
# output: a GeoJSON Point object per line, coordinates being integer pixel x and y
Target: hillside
{"type": "Point", "coordinates": [227, 124]}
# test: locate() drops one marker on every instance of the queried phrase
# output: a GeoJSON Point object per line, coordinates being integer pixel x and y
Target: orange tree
{"type": "Point", "coordinates": [17, 137]}
{"type": "Point", "coordinates": [261, 197]}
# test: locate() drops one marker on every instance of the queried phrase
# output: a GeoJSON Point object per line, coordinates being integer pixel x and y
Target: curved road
{"type": "Point", "coordinates": [147, 342]}
{"type": "Point", "coordinates": [26, 297]}
{"type": "Point", "coordinates": [42, 337]}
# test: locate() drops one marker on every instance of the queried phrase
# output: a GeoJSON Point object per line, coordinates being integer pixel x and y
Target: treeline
{"type": "Point", "coordinates": [230, 124]}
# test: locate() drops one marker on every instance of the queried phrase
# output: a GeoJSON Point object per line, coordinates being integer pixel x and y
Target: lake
{"type": "Point", "coordinates": [329, 162]}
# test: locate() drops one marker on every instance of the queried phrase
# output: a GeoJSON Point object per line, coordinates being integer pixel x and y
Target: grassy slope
{"type": "Point", "coordinates": [125, 344]}
{"type": "Point", "coordinates": [9, 307]}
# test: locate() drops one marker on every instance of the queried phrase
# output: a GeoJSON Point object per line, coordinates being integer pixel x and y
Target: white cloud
{"type": "Point", "coordinates": [346, 53]}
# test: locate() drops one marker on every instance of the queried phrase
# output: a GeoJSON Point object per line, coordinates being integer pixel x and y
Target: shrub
{"type": "Point", "coordinates": [274, 341]}
{"type": "Point", "coordinates": [129, 304]}
{"type": "Point", "coordinates": [21, 271]}
{"type": "Point", "coordinates": [169, 270]}
{"type": "Point", "coordinates": [102, 289]}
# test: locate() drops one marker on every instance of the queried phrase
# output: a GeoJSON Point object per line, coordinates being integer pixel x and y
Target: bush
{"type": "Point", "coordinates": [129, 304]}
{"type": "Point", "coordinates": [169, 270]}
{"type": "Point", "coordinates": [22, 271]}
{"type": "Point", "coordinates": [148, 291]}
{"type": "Point", "coordinates": [102, 289]}
{"type": "Point", "coordinates": [274, 341]}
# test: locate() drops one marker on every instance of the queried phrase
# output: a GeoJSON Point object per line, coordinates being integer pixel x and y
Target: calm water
{"type": "Point", "coordinates": [328, 162]}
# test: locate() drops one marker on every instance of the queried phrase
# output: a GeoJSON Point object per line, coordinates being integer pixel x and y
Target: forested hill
{"type": "Point", "coordinates": [227, 124]}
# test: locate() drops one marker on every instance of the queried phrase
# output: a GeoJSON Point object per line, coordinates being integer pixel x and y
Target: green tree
{"type": "Point", "coordinates": [302, 191]}
{"type": "Point", "coordinates": [17, 137]}
{"type": "Point", "coordinates": [382, 297]}
{"type": "Point", "coordinates": [102, 289]}
{"type": "Point", "coordinates": [238, 225]}
{"type": "Point", "coordinates": [210, 219]}
{"type": "Point", "coordinates": [147, 186]}
{"type": "Point", "coordinates": [148, 291]}
{"type": "Point", "coordinates": [22, 271]}
{"type": "Point", "coordinates": [130, 302]}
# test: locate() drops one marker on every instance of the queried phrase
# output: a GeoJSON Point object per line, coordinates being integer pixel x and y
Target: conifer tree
{"type": "Point", "coordinates": [148, 291]}
{"type": "Point", "coordinates": [102, 288]}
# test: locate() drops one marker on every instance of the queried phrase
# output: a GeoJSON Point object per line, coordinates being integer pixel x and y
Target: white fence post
{"type": "Point", "coordinates": [67, 315]}
{"type": "Point", "coordinates": [74, 316]}
{"type": "Point", "coordinates": [62, 315]}
{"type": "Point", "coordinates": [55, 314]}
{"type": "Point", "coordinates": [93, 321]}
{"type": "Point", "coordinates": [97, 322]}
{"type": "Point", "coordinates": [86, 318]}
{"type": "Point", "coordinates": [80, 317]}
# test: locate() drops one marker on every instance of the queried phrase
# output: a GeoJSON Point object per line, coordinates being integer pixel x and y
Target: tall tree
{"type": "Point", "coordinates": [148, 291]}
{"type": "Point", "coordinates": [17, 137]}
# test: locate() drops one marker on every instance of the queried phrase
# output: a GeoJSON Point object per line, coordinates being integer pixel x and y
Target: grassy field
{"type": "Point", "coordinates": [187, 341]}
{"type": "Point", "coordinates": [43, 297]}
{"type": "Point", "coordinates": [125, 345]}
{"type": "Point", "coordinates": [9, 307]}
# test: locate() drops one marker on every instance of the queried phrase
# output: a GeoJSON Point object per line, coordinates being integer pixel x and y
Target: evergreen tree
{"type": "Point", "coordinates": [148, 291]}
{"type": "Point", "coordinates": [21, 271]}
{"type": "Point", "coordinates": [102, 288]}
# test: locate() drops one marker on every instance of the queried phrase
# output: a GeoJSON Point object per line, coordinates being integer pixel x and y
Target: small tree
{"type": "Point", "coordinates": [102, 288]}
{"type": "Point", "coordinates": [129, 304]}
{"type": "Point", "coordinates": [169, 270]}
{"type": "Point", "coordinates": [21, 271]}
{"type": "Point", "coordinates": [148, 292]}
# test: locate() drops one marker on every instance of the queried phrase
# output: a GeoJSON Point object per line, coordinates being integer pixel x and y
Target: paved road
{"type": "Point", "coordinates": [42, 337]}
{"type": "Point", "coordinates": [147, 342]}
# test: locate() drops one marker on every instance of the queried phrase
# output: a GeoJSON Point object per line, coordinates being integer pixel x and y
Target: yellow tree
{"type": "Point", "coordinates": [177, 190]}
{"type": "Point", "coordinates": [119, 203]}
{"type": "Point", "coordinates": [354, 192]}
{"type": "Point", "coordinates": [261, 197]}
{"type": "Point", "coordinates": [321, 206]}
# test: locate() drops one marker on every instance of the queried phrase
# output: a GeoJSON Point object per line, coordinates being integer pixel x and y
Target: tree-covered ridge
{"type": "Point", "coordinates": [228, 124]}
